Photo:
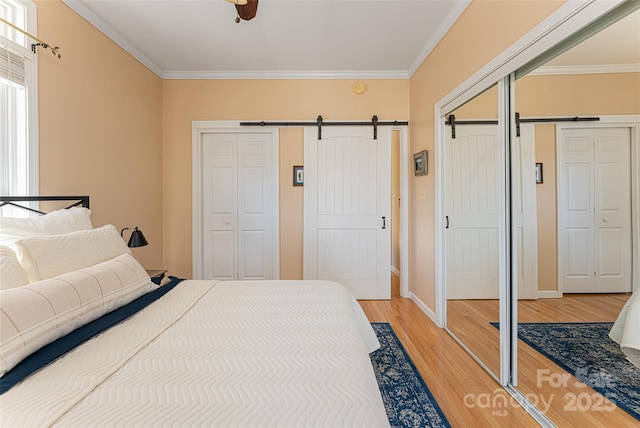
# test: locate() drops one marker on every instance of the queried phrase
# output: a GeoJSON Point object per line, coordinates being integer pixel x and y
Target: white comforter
{"type": "Point", "coordinates": [209, 353]}
{"type": "Point", "coordinates": [626, 330]}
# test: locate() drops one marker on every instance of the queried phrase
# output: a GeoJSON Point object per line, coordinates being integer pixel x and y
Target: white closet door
{"type": "Point", "coordinates": [613, 210]}
{"type": "Point", "coordinates": [594, 210]}
{"type": "Point", "coordinates": [238, 206]}
{"type": "Point", "coordinates": [347, 195]}
{"type": "Point", "coordinates": [255, 206]}
{"type": "Point", "coordinates": [219, 205]}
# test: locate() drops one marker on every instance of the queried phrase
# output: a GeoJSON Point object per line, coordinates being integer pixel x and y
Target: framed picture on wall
{"type": "Point", "coordinates": [420, 166]}
{"type": "Point", "coordinates": [298, 175]}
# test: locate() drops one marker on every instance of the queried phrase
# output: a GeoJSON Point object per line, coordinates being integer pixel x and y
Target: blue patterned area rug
{"type": "Point", "coordinates": [586, 351]}
{"type": "Point", "coordinates": [406, 398]}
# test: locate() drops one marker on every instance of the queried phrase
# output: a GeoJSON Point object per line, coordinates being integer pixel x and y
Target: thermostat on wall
{"type": "Point", "coordinates": [359, 88]}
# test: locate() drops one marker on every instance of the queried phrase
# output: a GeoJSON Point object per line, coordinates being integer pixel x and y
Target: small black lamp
{"type": "Point", "coordinates": [137, 239]}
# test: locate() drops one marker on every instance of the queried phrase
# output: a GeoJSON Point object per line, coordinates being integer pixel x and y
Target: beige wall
{"type": "Point", "coordinates": [483, 31]}
{"type": "Point", "coordinates": [566, 95]}
{"type": "Point", "coordinates": [100, 124]}
{"type": "Point", "coordinates": [188, 100]}
{"type": "Point", "coordinates": [573, 95]}
{"type": "Point", "coordinates": [546, 207]}
{"type": "Point", "coordinates": [291, 203]}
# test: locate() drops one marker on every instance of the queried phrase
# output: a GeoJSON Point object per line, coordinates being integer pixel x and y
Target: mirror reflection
{"type": "Point", "coordinates": [472, 198]}
{"type": "Point", "coordinates": [577, 229]}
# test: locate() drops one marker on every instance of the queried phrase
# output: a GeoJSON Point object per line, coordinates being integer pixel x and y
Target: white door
{"type": "Point", "coordinates": [594, 202]}
{"type": "Point", "coordinates": [347, 182]}
{"type": "Point", "coordinates": [472, 199]}
{"type": "Point", "coordinates": [524, 211]}
{"type": "Point", "coordinates": [238, 206]}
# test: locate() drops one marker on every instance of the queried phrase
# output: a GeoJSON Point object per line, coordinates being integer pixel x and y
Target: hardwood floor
{"type": "Point", "coordinates": [482, 339]}
{"type": "Point", "coordinates": [468, 396]}
{"type": "Point", "coordinates": [450, 373]}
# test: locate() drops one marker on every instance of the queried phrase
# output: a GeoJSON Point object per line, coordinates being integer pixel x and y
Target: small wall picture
{"type": "Point", "coordinates": [420, 166]}
{"type": "Point", "coordinates": [539, 173]}
{"type": "Point", "coordinates": [298, 175]}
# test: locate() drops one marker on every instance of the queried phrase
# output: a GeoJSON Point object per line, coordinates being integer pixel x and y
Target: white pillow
{"type": "Point", "coordinates": [39, 313]}
{"type": "Point", "coordinates": [55, 223]}
{"type": "Point", "coordinates": [11, 273]}
{"type": "Point", "coordinates": [48, 256]}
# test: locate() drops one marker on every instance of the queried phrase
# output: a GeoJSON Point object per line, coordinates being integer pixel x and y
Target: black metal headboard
{"type": "Point", "coordinates": [13, 201]}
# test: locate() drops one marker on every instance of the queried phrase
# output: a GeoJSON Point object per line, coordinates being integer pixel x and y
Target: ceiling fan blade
{"type": "Point", "coordinates": [247, 11]}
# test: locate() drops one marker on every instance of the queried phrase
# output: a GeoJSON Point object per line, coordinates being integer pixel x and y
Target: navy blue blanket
{"type": "Point", "coordinates": [54, 350]}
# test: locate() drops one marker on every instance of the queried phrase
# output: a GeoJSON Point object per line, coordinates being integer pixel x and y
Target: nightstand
{"type": "Point", "coordinates": [156, 273]}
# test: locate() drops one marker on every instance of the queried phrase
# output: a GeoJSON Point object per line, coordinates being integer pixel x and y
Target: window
{"type": "Point", "coordinates": [18, 98]}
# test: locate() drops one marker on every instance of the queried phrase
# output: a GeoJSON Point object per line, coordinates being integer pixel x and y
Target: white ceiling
{"type": "Point", "coordinates": [299, 38]}
{"type": "Point", "coordinates": [310, 38]}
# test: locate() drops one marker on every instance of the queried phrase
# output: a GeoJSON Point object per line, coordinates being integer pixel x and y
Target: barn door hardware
{"type": "Point", "coordinates": [375, 122]}
{"type": "Point", "coordinates": [319, 122]}
{"type": "Point", "coordinates": [452, 122]}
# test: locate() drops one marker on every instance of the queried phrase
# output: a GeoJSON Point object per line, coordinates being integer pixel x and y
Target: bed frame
{"type": "Point", "coordinates": [82, 201]}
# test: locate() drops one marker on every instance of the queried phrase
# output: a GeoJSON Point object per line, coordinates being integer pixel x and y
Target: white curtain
{"type": "Point", "coordinates": [14, 165]}
{"type": "Point", "coordinates": [14, 144]}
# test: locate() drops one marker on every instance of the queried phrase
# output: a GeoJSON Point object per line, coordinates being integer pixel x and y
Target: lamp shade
{"type": "Point", "coordinates": [137, 239]}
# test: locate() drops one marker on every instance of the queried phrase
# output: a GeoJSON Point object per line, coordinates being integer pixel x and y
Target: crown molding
{"type": "Point", "coordinates": [586, 69]}
{"type": "Point", "coordinates": [311, 75]}
{"type": "Point", "coordinates": [84, 11]}
{"type": "Point", "coordinates": [444, 27]}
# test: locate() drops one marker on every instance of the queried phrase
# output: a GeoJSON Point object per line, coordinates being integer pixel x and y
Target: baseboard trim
{"type": "Point", "coordinates": [549, 294]}
{"type": "Point", "coordinates": [395, 271]}
{"type": "Point", "coordinates": [424, 308]}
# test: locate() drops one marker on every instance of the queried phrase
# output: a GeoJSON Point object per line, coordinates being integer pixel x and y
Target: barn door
{"type": "Point", "coordinates": [347, 185]}
{"type": "Point", "coordinates": [472, 199]}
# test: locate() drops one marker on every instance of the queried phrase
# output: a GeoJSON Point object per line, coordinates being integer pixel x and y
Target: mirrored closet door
{"type": "Point", "coordinates": [574, 202]}
{"type": "Point", "coordinates": [472, 231]}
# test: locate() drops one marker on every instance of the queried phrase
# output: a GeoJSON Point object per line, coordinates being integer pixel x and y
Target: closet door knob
{"type": "Point", "coordinates": [605, 219]}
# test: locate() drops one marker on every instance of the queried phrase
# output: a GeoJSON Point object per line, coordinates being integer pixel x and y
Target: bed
{"type": "Point", "coordinates": [626, 330]}
{"type": "Point", "coordinates": [188, 353]}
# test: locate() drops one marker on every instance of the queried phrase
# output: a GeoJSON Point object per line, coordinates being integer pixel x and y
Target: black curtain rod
{"type": "Point", "coordinates": [320, 123]}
